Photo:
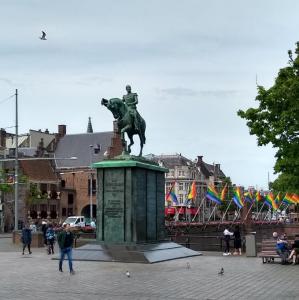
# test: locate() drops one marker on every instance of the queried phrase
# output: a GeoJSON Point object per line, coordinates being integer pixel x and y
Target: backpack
{"type": "Point", "coordinates": [50, 235]}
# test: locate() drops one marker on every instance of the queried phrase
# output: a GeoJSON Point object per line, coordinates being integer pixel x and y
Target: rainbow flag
{"type": "Point", "coordinates": [278, 199]}
{"type": "Point", "coordinates": [171, 196]}
{"type": "Point", "coordinates": [258, 196]}
{"type": "Point", "coordinates": [270, 201]}
{"type": "Point", "coordinates": [212, 194]}
{"type": "Point", "coordinates": [192, 194]}
{"type": "Point", "coordinates": [248, 197]}
{"type": "Point", "coordinates": [238, 197]}
{"type": "Point", "coordinates": [288, 199]}
{"type": "Point", "coordinates": [295, 198]}
{"type": "Point", "coordinates": [223, 193]}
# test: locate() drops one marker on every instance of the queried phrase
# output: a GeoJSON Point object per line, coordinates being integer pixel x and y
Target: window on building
{"type": "Point", "coordinates": [43, 188]}
{"type": "Point", "coordinates": [187, 185]}
{"type": "Point", "coordinates": [43, 211]}
{"type": "Point", "coordinates": [181, 173]}
{"type": "Point", "coordinates": [168, 185]}
{"type": "Point", "coordinates": [70, 199]}
{"type": "Point", "coordinates": [181, 198]}
{"type": "Point", "coordinates": [172, 173]}
{"type": "Point", "coordinates": [70, 211]}
{"type": "Point", "coordinates": [63, 212]}
{"type": "Point", "coordinates": [181, 186]}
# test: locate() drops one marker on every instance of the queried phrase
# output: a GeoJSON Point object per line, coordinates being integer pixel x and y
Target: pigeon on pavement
{"type": "Point", "coordinates": [221, 272]}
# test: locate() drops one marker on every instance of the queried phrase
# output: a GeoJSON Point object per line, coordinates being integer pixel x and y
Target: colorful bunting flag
{"type": "Point", "coordinates": [223, 193]}
{"type": "Point", "coordinates": [258, 196]}
{"type": "Point", "coordinates": [238, 197]}
{"type": "Point", "coordinates": [248, 197]}
{"type": "Point", "coordinates": [288, 199]}
{"type": "Point", "coordinates": [270, 201]}
{"type": "Point", "coordinates": [212, 194]}
{"type": "Point", "coordinates": [295, 198]}
{"type": "Point", "coordinates": [171, 196]}
{"type": "Point", "coordinates": [192, 193]}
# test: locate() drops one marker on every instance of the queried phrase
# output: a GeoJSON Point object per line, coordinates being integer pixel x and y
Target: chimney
{"type": "Point", "coordinates": [61, 130]}
{"type": "Point", "coordinates": [2, 138]}
{"type": "Point", "coordinates": [217, 169]}
{"type": "Point", "coordinates": [199, 159]}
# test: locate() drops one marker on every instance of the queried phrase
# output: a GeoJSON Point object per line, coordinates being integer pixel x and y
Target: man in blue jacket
{"type": "Point", "coordinates": [65, 241]}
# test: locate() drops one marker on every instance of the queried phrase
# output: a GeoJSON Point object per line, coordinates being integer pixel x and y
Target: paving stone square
{"type": "Point", "coordinates": [36, 276]}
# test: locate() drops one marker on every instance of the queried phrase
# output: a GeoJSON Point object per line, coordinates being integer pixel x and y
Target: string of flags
{"type": "Point", "coordinates": [239, 197]}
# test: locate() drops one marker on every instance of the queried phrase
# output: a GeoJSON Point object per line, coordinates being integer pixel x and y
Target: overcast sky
{"type": "Point", "coordinates": [192, 63]}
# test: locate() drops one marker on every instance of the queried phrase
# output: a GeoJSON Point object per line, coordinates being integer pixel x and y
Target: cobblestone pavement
{"type": "Point", "coordinates": [36, 276]}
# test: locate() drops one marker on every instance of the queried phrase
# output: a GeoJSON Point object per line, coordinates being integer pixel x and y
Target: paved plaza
{"type": "Point", "coordinates": [36, 276]}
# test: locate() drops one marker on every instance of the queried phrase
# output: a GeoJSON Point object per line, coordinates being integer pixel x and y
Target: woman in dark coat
{"type": "Point", "coordinates": [237, 241]}
{"type": "Point", "coordinates": [26, 238]}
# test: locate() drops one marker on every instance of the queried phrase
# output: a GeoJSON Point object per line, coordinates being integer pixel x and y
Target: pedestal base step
{"type": "Point", "coordinates": [138, 253]}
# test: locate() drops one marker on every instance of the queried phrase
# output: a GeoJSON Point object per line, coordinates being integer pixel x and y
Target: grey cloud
{"type": "Point", "coordinates": [178, 92]}
{"type": "Point", "coordinates": [188, 92]}
{"type": "Point", "coordinates": [6, 80]}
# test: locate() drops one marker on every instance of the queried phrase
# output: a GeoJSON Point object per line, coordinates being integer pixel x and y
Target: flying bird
{"type": "Point", "coordinates": [221, 272]}
{"type": "Point", "coordinates": [43, 37]}
{"type": "Point", "coordinates": [128, 274]}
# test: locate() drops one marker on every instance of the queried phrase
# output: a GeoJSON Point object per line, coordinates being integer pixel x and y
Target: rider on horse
{"type": "Point", "coordinates": [131, 99]}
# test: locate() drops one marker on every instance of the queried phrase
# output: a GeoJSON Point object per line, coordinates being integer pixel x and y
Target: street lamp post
{"type": "Point", "coordinates": [16, 166]}
{"type": "Point", "coordinates": [90, 184]}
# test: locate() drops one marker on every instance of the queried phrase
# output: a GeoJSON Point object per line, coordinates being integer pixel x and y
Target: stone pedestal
{"type": "Point", "coordinates": [130, 202]}
{"type": "Point", "coordinates": [130, 214]}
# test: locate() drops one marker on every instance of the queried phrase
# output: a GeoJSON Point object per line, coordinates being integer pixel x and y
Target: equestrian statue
{"type": "Point", "coordinates": [128, 118]}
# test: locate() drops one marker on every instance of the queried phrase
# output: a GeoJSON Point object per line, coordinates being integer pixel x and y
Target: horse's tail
{"type": "Point", "coordinates": [143, 131]}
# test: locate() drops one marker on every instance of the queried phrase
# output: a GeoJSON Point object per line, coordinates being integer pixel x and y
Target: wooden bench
{"type": "Point", "coordinates": [268, 253]}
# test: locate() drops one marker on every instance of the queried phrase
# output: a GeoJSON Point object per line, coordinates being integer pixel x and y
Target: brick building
{"type": "Point", "coordinates": [77, 175]}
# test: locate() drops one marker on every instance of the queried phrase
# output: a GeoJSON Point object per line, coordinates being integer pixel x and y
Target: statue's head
{"type": "Point", "coordinates": [128, 88]}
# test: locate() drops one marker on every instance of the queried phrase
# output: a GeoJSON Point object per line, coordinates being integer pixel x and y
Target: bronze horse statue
{"type": "Point", "coordinates": [126, 123]}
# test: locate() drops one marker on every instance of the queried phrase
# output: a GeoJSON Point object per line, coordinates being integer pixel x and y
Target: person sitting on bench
{"type": "Point", "coordinates": [295, 250]}
{"type": "Point", "coordinates": [282, 249]}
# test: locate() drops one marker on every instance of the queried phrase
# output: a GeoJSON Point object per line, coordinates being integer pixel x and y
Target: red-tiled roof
{"type": "Point", "coordinates": [38, 170]}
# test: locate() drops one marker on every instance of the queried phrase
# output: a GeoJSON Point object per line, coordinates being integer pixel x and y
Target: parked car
{"type": "Point", "coordinates": [75, 221]}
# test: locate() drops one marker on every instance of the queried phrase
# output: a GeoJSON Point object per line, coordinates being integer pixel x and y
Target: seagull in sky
{"type": "Point", "coordinates": [43, 37]}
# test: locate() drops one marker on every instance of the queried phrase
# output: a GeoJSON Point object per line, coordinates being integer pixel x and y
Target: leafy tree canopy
{"type": "Point", "coordinates": [276, 121]}
{"type": "Point", "coordinates": [5, 185]}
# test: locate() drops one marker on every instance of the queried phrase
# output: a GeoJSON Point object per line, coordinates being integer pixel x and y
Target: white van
{"type": "Point", "coordinates": [75, 221]}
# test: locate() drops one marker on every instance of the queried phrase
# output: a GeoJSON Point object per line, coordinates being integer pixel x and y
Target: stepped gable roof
{"type": "Point", "coordinates": [38, 170]}
{"type": "Point", "coordinates": [171, 161]}
{"type": "Point", "coordinates": [213, 169]}
{"type": "Point", "coordinates": [78, 145]}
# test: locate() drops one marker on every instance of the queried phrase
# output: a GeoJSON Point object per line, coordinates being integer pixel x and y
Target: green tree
{"type": "Point", "coordinates": [5, 186]}
{"type": "Point", "coordinates": [276, 121]}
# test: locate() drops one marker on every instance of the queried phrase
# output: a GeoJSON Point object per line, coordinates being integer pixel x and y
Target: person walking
{"type": "Point", "coordinates": [65, 240]}
{"type": "Point", "coordinates": [237, 241]}
{"type": "Point", "coordinates": [26, 238]}
{"type": "Point", "coordinates": [227, 234]}
{"type": "Point", "coordinates": [50, 235]}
